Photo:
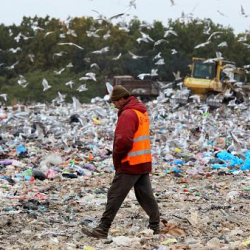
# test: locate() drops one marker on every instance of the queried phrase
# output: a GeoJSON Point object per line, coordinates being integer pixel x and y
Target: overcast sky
{"type": "Point", "coordinates": [225, 12]}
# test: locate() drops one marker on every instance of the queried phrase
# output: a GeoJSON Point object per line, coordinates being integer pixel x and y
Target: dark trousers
{"type": "Point", "coordinates": [121, 185]}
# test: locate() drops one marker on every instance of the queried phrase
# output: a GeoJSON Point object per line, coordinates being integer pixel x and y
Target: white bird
{"type": "Point", "coordinates": [170, 31]}
{"type": "Point", "coordinates": [223, 44]}
{"type": "Point", "coordinates": [180, 84]}
{"type": "Point", "coordinates": [71, 32]}
{"type": "Point", "coordinates": [135, 56]}
{"type": "Point", "coordinates": [177, 75]}
{"type": "Point", "coordinates": [160, 62]}
{"type": "Point", "coordinates": [201, 45]}
{"type": "Point", "coordinates": [107, 35]}
{"type": "Point", "coordinates": [142, 75]}
{"type": "Point", "coordinates": [101, 51]}
{"type": "Point", "coordinates": [62, 35]}
{"type": "Point", "coordinates": [82, 88]}
{"type": "Point", "coordinates": [218, 55]}
{"type": "Point", "coordinates": [232, 103]}
{"type": "Point", "coordinates": [36, 28]}
{"type": "Point", "coordinates": [146, 25]}
{"type": "Point", "coordinates": [4, 96]}
{"type": "Point", "coordinates": [94, 65]}
{"type": "Point", "coordinates": [242, 38]}
{"type": "Point", "coordinates": [165, 85]}
{"type": "Point", "coordinates": [45, 84]}
{"type": "Point", "coordinates": [48, 33]}
{"type": "Point", "coordinates": [124, 28]}
{"type": "Point", "coordinates": [31, 57]}
{"type": "Point", "coordinates": [84, 78]}
{"type": "Point", "coordinates": [117, 58]}
{"type": "Point", "coordinates": [71, 44]}
{"type": "Point", "coordinates": [207, 29]}
{"type": "Point", "coordinates": [236, 144]}
{"type": "Point", "coordinates": [146, 36]}
{"type": "Point", "coordinates": [174, 51]}
{"type": "Point", "coordinates": [15, 50]}
{"type": "Point", "coordinates": [108, 20]}
{"type": "Point", "coordinates": [91, 75]}
{"type": "Point", "coordinates": [70, 65]}
{"type": "Point", "coordinates": [12, 66]}
{"type": "Point", "coordinates": [18, 37]}
{"type": "Point", "coordinates": [158, 42]}
{"type": "Point", "coordinates": [22, 81]}
{"type": "Point", "coordinates": [109, 87]}
{"type": "Point", "coordinates": [76, 103]}
{"type": "Point", "coordinates": [26, 37]}
{"type": "Point", "coordinates": [154, 72]}
{"type": "Point", "coordinates": [70, 84]}
{"type": "Point", "coordinates": [142, 39]}
{"type": "Point", "coordinates": [213, 34]}
{"type": "Point", "coordinates": [158, 56]}
{"type": "Point", "coordinates": [93, 33]}
{"type": "Point", "coordinates": [61, 53]}
{"type": "Point", "coordinates": [228, 93]}
{"type": "Point", "coordinates": [61, 97]}
{"type": "Point", "coordinates": [59, 72]}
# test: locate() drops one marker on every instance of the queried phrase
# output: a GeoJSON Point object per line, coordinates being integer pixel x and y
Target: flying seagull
{"type": "Point", "coordinates": [12, 66]}
{"type": "Point", "coordinates": [135, 56]}
{"type": "Point", "coordinates": [82, 88]}
{"type": "Point", "coordinates": [71, 44]}
{"type": "Point", "coordinates": [237, 147]}
{"type": "Point", "coordinates": [70, 83]}
{"type": "Point", "coordinates": [117, 58]}
{"type": "Point", "coordinates": [108, 20]}
{"type": "Point", "coordinates": [59, 72]}
{"type": "Point", "coordinates": [242, 11]}
{"type": "Point", "coordinates": [45, 84]}
{"type": "Point", "coordinates": [4, 96]}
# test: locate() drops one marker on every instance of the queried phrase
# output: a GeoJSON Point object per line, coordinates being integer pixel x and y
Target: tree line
{"type": "Point", "coordinates": [84, 53]}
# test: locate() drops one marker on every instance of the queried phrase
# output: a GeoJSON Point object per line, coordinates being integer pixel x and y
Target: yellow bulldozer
{"type": "Point", "coordinates": [210, 80]}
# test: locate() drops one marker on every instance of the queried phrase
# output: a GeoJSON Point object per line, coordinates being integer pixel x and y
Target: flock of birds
{"type": "Point", "coordinates": [171, 127]}
{"type": "Point", "coordinates": [51, 125]}
{"type": "Point", "coordinates": [91, 76]}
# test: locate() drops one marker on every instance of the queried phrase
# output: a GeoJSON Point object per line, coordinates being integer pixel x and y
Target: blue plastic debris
{"type": "Point", "coordinates": [20, 149]}
{"type": "Point", "coordinates": [176, 170]}
{"type": "Point", "coordinates": [246, 165]}
{"type": "Point", "coordinates": [217, 166]}
{"type": "Point", "coordinates": [177, 162]}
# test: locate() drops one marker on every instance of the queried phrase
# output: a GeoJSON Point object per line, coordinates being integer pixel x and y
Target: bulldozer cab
{"type": "Point", "coordinates": [203, 70]}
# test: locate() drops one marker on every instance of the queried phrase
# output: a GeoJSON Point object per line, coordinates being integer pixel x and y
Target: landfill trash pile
{"type": "Point", "coordinates": [56, 167]}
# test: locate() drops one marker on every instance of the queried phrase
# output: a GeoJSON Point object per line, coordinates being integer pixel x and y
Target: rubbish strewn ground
{"type": "Point", "coordinates": [56, 168]}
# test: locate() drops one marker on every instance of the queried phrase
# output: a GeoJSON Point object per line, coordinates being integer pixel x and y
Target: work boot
{"type": "Point", "coordinates": [98, 232]}
{"type": "Point", "coordinates": [155, 227]}
{"type": "Point", "coordinates": [156, 231]}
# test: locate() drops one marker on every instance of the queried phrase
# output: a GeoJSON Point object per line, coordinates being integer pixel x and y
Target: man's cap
{"type": "Point", "coordinates": [118, 92]}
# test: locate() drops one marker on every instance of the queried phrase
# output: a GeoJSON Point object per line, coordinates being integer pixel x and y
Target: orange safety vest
{"type": "Point", "coordinates": [140, 152]}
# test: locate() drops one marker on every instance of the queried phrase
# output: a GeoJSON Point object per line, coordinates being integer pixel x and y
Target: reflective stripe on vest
{"type": "Point", "coordinates": [140, 152]}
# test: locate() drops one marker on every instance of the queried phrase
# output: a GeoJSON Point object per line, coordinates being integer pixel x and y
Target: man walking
{"type": "Point", "coordinates": [132, 161]}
